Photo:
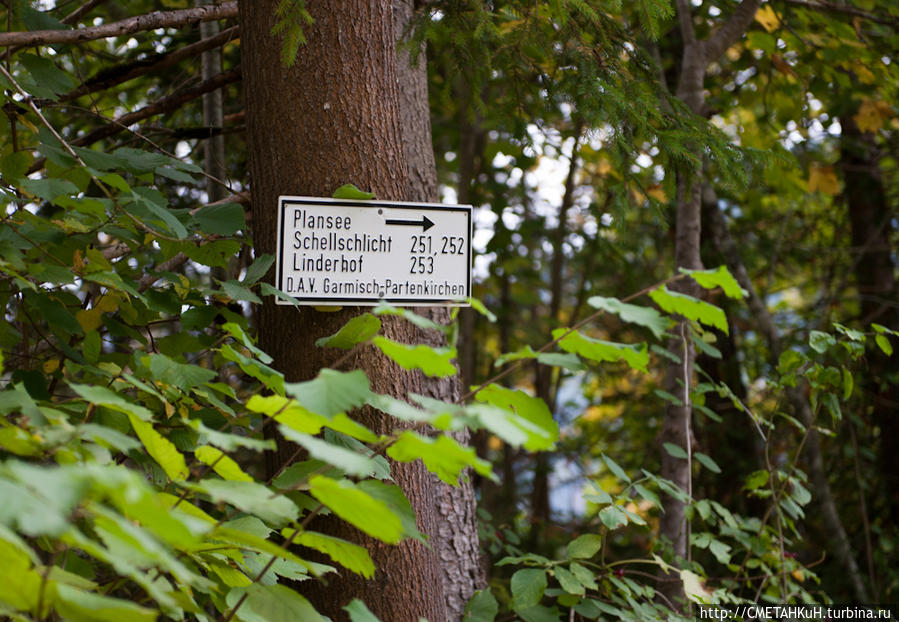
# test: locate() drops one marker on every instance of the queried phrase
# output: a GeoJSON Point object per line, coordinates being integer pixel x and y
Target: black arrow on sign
{"type": "Point", "coordinates": [425, 223]}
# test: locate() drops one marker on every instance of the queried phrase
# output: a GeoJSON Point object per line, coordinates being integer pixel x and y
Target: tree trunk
{"type": "Point", "coordinates": [870, 219]}
{"type": "Point", "coordinates": [456, 539]}
{"type": "Point", "coordinates": [332, 118]}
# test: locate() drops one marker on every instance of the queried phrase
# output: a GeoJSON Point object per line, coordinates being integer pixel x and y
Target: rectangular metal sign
{"type": "Point", "coordinates": [337, 251]}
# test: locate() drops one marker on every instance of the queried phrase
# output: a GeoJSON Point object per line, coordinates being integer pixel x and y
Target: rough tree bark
{"type": "Point", "coordinates": [336, 117]}
{"type": "Point", "coordinates": [697, 54]}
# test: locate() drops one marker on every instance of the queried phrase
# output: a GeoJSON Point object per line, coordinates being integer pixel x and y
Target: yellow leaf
{"type": "Point", "coordinates": [90, 319]}
{"type": "Point", "coordinates": [872, 115]}
{"type": "Point", "coordinates": [798, 575]}
{"type": "Point", "coordinates": [169, 410]}
{"type": "Point", "coordinates": [77, 262]}
{"type": "Point", "coordinates": [657, 193]}
{"type": "Point", "coordinates": [767, 18]}
{"type": "Point", "coordinates": [51, 366]}
{"type": "Point", "coordinates": [823, 179]}
{"type": "Point", "coordinates": [107, 302]}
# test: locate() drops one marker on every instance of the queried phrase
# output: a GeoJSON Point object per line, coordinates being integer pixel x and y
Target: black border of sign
{"type": "Point", "coordinates": [285, 200]}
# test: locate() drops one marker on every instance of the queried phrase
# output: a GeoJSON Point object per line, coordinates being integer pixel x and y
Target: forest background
{"type": "Point", "coordinates": [678, 377]}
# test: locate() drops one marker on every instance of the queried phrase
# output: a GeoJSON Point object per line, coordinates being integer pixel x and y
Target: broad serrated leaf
{"type": "Point", "coordinates": [344, 459]}
{"type": "Point", "coordinates": [358, 612]}
{"type": "Point", "coordinates": [442, 455]}
{"type": "Point", "coordinates": [225, 219]}
{"type": "Point", "coordinates": [250, 497]}
{"type": "Point", "coordinates": [257, 269]}
{"type": "Point", "coordinates": [271, 603]}
{"type": "Point", "coordinates": [222, 464]}
{"type": "Point", "coordinates": [568, 581]}
{"type": "Point", "coordinates": [358, 508]}
{"type": "Point", "coordinates": [81, 606]}
{"type": "Point", "coordinates": [349, 191]}
{"type": "Point", "coordinates": [358, 330]}
{"type": "Point", "coordinates": [636, 356]}
{"type": "Point", "coordinates": [533, 410]}
{"type": "Point", "coordinates": [717, 277]}
{"type": "Point", "coordinates": [351, 556]}
{"type": "Point", "coordinates": [433, 362]}
{"type": "Point", "coordinates": [160, 449]}
{"type": "Point", "coordinates": [332, 392]}
{"type": "Point", "coordinates": [634, 314]}
{"type": "Point", "coordinates": [690, 308]}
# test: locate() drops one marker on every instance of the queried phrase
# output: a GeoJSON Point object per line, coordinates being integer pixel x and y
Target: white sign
{"type": "Point", "coordinates": [337, 251]}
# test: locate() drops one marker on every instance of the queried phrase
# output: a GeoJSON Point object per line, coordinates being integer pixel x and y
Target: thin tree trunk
{"type": "Point", "coordinates": [334, 117]}
{"type": "Point", "coordinates": [839, 540]}
{"type": "Point", "coordinates": [456, 540]}
{"type": "Point", "coordinates": [676, 427]}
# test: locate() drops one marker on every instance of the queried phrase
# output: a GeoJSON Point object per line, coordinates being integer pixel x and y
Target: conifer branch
{"type": "Point", "coordinates": [150, 21]}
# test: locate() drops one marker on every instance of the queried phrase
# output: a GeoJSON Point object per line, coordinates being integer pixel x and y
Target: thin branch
{"type": "Point", "coordinates": [685, 17]}
{"type": "Point", "coordinates": [162, 106]}
{"type": "Point", "coordinates": [843, 8]}
{"type": "Point", "coordinates": [731, 30]}
{"type": "Point", "coordinates": [150, 21]}
{"type": "Point", "coordinates": [81, 11]}
{"type": "Point", "coordinates": [118, 75]}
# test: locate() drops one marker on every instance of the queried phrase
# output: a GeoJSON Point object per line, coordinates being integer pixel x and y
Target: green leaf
{"type": "Point", "coordinates": [481, 608]}
{"type": "Point", "coordinates": [51, 188]}
{"type": "Point", "coordinates": [756, 479]}
{"type": "Point", "coordinates": [642, 316]}
{"type": "Point", "coordinates": [155, 204]}
{"type": "Point", "coordinates": [636, 356]}
{"type": "Point", "coordinates": [433, 362]}
{"type": "Point", "coordinates": [820, 341]}
{"type": "Point", "coordinates": [358, 330]}
{"type": "Point", "coordinates": [442, 455]}
{"type": "Point", "coordinates": [690, 308]}
{"type": "Point", "coordinates": [80, 606]}
{"type": "Point", "coordinates": [101, 396]}
{"type": "Point", "coordinates": [160, 449]}
{"type": "Point", "coordinates": [332, 392]}
{"type": "Point", "coordinates": [349, 191]}
{"type": "Point", "coordinates": [176, 374]}
{"type": "Point", "coordinates": [533, 410]}
{"type": "Point", "coordinates": [568, 581]}
{"type": "Point", "coordinates": [884, 344]}
{"type": "Point", "coordinates": [225, 466]}
{"type": "Point", "coordinates": [528, 585]}
{"type": "Point", "coordinates": [351, 556]}
{"type": "Point", "coordinates": [45, 73]}
{"type": "Point", "coordinates": [478, 306]}
{"type": "Point", "coordinates": [584, 547]}
{"type": "Point", "coordinates": [236, 291]}
{"type": "Point", "coordinates": [226, 219]}
{"type": "Point", "coordinates": [359, 612]}
{"type": "Point", "coordinates": [344, 459]}
{"type": "Point", "coordinates": [271, 603]}
{"type": "Point", "coordinates": [351, 503]}
{"type": "Point", "coordinates": [251, 497]}
{"type": "Point", "coordinates": [614, 468]}
{"type": "Point", "coordinates": [675, 451]}
{"type": "Point", "coordinates": [215, 254]}
{"type": "Point", "coordinates": [707, 462]}
{"type": "Point", "coordinates": [718, 277]}
{"type": "Point", "coordinates": [258, 269]}
{"type": "Point", "coordinates": [693, 588]}
{"type": "Point", "coordinates": [612, 517]}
